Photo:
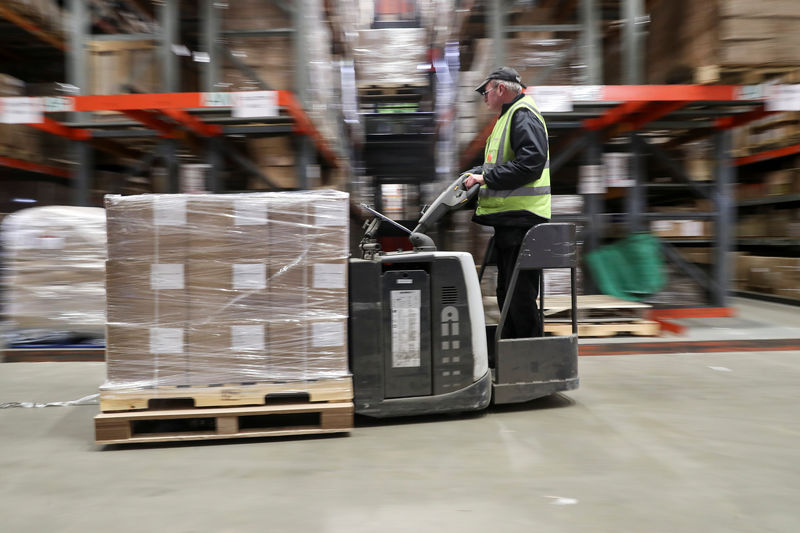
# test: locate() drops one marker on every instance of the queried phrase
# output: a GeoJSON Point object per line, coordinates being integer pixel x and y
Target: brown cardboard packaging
{"type": "Point", "coordinates": [146, 294]}
{"type": "Point", "coordinates": [149, 228]}
{"type": "Point", "coordinates": [231, 227]}
{"type": "Point", "coordinates": [141, 356]}
{"type": "Point", "coordinates": [228, 352]}
{"type": "Point", "coordinates": [223, 291]}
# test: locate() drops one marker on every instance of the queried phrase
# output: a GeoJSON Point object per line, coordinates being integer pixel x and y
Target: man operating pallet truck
{"type": "Point", "coordinates": [418, 341]}
{"type": "Point", "coordinates": [515, 191]}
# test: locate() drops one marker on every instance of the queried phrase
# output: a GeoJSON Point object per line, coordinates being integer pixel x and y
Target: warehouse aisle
{"type": "Point", "coordinates": [657, 443]}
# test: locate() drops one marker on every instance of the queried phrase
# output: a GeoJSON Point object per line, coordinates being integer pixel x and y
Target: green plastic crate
{"type": "Point", "coordinates": [631, 269]}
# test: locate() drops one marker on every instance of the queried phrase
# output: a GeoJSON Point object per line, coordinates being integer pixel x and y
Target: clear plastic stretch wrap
{"type": "Point", "coordinates": [226, 289]}
{"type": "Point", "coordinates": [53, 262]}
{"type": "Point", "coordinates": [391, 56]}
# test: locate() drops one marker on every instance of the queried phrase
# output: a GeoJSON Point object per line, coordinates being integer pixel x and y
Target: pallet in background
{"type": "Point", "coordinates": [223, 423]}
{"type": "Point", "coordinates": [593, 306]}
{"type": "Point", "coordinates": [640, 328]}
{"type": "Point", "coordinates": [323, 390]}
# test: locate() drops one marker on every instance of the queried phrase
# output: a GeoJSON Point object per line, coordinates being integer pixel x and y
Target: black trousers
{"type": "Point", "coordinates": [523, 315]}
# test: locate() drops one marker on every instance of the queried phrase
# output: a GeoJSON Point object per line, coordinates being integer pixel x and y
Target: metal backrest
{"type": "Point", "coordinates": [550, 245]}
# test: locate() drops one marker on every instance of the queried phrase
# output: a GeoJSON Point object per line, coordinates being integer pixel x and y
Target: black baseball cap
{"type": "Point", "coordinates": [503, 73]}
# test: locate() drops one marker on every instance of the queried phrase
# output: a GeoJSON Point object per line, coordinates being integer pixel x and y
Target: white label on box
{"type": "Point", "coordinates": [166, 340]}
{"type": "Point", "coordinates": [21, 110]}
{"type": "Point", "coordinates": [327, 334]}
{"type": "Point", "coordinates": [58, 104]}
{"type": "Point", "coordinates": [552, 99]}
{"type": "Point", "coordinates": [330, 215]}
{"type": "Point", "coordinates": [166, 276]}
{"type": "Point", "coordinates": [247, 338]}
{"type": "Point", "coordinates": [250, 276]}
{"type": "Point", "coordinates": [692, 228]}
{"type": "Point", "coordinates": [169, 211]}
{"type": "Point", "coordinates": [783, 98]}
{"type": "Point", "coordinates": [327, 276]}
{"type": "Point", "coordinates": [405, 308]}
{"type": "Point", "coordinates": [248, 104]}
{"type": "Point", "coordinates": [617, 169]}
{"type": "Point", "coordinates": [249, 212]}
{"type": "Point", "coordinates": [591, 180]}
{"type": "Point", "coordinates": [661, 226]}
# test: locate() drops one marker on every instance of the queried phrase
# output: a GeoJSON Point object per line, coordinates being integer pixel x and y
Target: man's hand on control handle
{"type": "Point", "coordinates": [472, 179]}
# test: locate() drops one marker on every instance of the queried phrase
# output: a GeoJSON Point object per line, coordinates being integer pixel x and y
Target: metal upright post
{"type": "Point", "coordinates": [497, 18]}
{"type": "Point", "coordinates": [211, 25]}
{"type": "Point", "coordinates": [592, 46]}
{"type": "Point", "coordinates": [635, 200]}
{"type": "Point", "coordinates": [593, 200]}
{"type": "Point", "coordinates": [77, 76]}
{"type": "Point", "coordinates": [170, 69]}
{"type": "Point", "coordinates": [724, 173]}
{"type": "Point", "coordinates": [170, 82]}
{"type": "Point", "coordinates": [305, 151]}
{"type": "Point", "coordinates": [633, 41]}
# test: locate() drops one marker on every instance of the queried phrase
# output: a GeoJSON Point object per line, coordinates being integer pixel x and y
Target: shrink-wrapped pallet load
{"type": "Point", "coordinates": [205, 290]}
{"type": "Point", "coordinates": [53, 272]}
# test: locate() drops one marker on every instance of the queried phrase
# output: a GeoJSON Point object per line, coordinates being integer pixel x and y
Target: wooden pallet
{"type": "Point", "coordinates": [223, 423]}
{"type": "Point", "coordinates": [594, 306]}
{"type": "Point", "coordinates": [640, 328]}
{"type": "Point", "coordinates": [323, 390]}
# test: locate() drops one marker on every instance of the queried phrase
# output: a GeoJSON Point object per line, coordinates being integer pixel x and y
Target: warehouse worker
{"type": "Point", "coordinates": [514, 191]}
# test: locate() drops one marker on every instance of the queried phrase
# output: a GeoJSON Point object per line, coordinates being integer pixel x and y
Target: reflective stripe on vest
{"type": "Point", "coordinates": [533, 196]}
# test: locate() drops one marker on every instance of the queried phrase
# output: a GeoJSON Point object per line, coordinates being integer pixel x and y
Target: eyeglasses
{"type": "Point", "coordinates": [484, 93]}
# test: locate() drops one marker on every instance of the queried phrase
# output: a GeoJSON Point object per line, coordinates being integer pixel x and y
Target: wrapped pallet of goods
{"type": "Point", "coordinates": [226, 299]}
{"type": "Point", "coordinates": [53, 274]}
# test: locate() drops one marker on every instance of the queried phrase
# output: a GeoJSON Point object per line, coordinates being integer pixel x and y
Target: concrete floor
{"type": "Point", "coordinates": [649, 443]}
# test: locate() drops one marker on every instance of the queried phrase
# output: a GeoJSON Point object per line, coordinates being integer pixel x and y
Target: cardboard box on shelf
{"type": "Point", "coordinates": [681, 228]}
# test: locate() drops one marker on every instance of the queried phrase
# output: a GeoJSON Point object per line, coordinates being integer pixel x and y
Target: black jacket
{"type": "Point", "coordinates": [529, 142]}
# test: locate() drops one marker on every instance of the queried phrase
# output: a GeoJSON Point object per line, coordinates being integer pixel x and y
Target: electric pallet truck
{"type": "Point", "coordinates": [418, 340]}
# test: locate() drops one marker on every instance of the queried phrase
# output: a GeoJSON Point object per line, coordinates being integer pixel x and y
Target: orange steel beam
{"type": "Point", "coordinates": [770, 154]}
{"type": "Point", "coordinates": [151, 120]}
{"type": "Point", "coordinates": [56, 128]}
{"type": "Point", "coordinates": [615, 115]}
{"type": "Point", "coordinates": [691, 312]}
{"type": "Point", "coordinates": [34, 167]}
{"type": "Point", "coordinates": [657, 110]}
{"type": "Point", "coordinates": [303, 125]}
{"type": "Point", "coordinates": [122, 102]}
{"type": "Point", "coordinates": [193, 123]}
{"type": "Point", "coordinates": [669, 93]}
{"type": "Point", "coordinates": [724, 123]}
{"type": "Point", "coordinates": [24, 23]}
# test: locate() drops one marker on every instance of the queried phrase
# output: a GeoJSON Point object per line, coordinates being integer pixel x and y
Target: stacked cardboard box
{"type": "Point", "coordinates": [53, 260]}
{"type": "Point", "coordinates": [773, 275]}
{"type": "Point", "coordinates": [226, 289]}
{"type": "Point", "coordinates": [688, 37]}
{"type": "Point", "coordinates": [272, 59]}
